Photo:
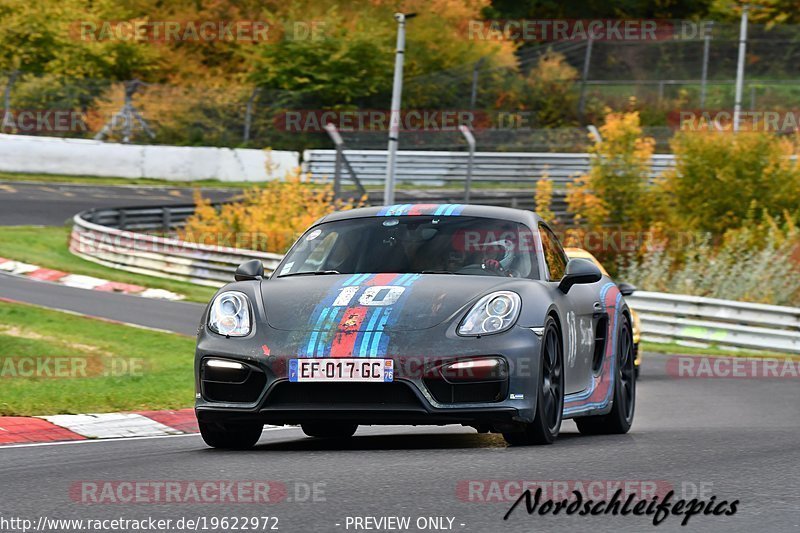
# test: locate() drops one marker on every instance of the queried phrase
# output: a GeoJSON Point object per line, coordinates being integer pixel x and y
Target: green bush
{"type": "Point", "coordinates": [719, 177]}
{"type": "Point", "coordinates": [549, 92]}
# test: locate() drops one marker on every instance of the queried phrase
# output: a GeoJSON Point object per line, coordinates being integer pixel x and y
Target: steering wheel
{"type": "Point", "coordinates": [478, 270]}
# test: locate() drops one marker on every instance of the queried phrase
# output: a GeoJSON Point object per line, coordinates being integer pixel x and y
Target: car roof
{"type": "Point", "coordinates": [467, 210]}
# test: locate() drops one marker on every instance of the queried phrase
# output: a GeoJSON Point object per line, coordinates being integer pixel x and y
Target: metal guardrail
{"type": "Point", "coordinates": [154, 219]}
{"type": "Point", "coordinates": [108, 237]}
{"type": "Point", "coordinates": [677, 317]}
{"type": "Point", "coordinates": [437, 167]}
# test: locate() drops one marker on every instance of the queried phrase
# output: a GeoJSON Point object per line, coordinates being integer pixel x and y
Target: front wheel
{"type": "Point", "coordinates": [550, 402]}
{"type": "Point", "coordinates": [327, 430]}
{"type": "Point", "coordinates": [620, 419]}
{"type": "Point", "coordinates": [230, 436]}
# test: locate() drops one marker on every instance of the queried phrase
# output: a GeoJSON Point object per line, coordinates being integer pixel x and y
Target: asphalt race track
{"type": "Point", "coordinates": [53, 204]}
{"type": "Point", "coordinates": [732, 439]}
{"type": "Point", "coordinates": [736, 439]}
{"type": "Point", "coordinates": [177, 317]}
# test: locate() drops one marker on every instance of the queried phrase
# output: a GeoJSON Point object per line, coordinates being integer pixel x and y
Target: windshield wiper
{"type": "Point", "coordinates": [311, 273]}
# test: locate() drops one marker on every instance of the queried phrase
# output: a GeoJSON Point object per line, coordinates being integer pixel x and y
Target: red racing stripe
{"type": "Point", "coordinates": [353, 318]}
{"type": "Point", "coordinates": [419, 209]}
{"type": "Point", "coordinates": [345, 338]}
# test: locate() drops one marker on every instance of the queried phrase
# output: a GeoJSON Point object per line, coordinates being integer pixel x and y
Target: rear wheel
{"type": "Point", "coordinates": [620, 419]}
{"type": "Point", "coordinates": [550, 402]}
{"type": "Point", "coordinates": [231, 436]}
{"type": "Point", "coordinates": [328, 430]}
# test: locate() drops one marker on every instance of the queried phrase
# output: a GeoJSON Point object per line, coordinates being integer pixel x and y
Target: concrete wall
{"type": "Point", "coordinates": [83, 157]}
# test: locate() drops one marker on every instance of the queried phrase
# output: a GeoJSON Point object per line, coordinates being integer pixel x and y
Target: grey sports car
{"type": "Point", "coordinates": [417, 314]}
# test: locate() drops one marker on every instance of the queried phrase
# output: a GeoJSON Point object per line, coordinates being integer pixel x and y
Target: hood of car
{"type": "Point", "coordinates": [370, 302]}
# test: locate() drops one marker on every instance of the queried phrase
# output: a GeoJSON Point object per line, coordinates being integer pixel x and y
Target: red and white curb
{"type": "Point", "coordinates": [57, 428]}
{"type": "Point", "coordinates": [82, 282]}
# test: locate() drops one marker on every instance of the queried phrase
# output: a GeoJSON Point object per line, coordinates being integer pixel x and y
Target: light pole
{"type": "Point", "coordinates": [394, 116]}
{"type": "Point", "coordinates": [737, 106]}
{"type": "Point", "coordinates": [471, 143]}
{"type": "Point", "coordinates": [473, 96]}
{"type": "Point", "coordinates": [704, 74]}
{"type": "Point", "coordinates": [587, 59]}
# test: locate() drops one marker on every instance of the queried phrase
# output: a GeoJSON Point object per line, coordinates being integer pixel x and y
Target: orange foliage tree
{"type": "Point", "coordinates": [268, 218]}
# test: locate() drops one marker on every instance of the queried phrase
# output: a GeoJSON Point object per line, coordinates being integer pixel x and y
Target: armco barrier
{"type": "Point", "coordinates": [157, 256]}
{"type": "Point", "coordinates": [677, 317]}
{"type": "Point", "coordinates": [84, 157]}
{"type": "Point", "coordinates": [436, 167]}
{"type": "Point", "coordinates": [665, 317]}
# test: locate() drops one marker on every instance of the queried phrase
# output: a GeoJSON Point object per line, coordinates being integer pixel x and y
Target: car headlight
{"type": "Point", "coordinates": [230, 315]}
{"type": "Point", "coordinates": [494, 313]}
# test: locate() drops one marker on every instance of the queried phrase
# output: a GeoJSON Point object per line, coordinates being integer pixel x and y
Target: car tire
{"type": "Point", "coordinates": [620, 419]}
{"type": "Point", "coordinates": [550, 401]}
{"type": "Point", "coordinates": [327, 430]}
{"type": "Point", "coordinates": [230, 436]}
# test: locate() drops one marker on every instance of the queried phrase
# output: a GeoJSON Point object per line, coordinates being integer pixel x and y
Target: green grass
{"type": "Point", "coordinates": [674, 348]}
{"type": "Point", "coordinates": [347, 185]}
{"type": "Point", "coordinates": [98, 180]}
{"type": "Point", "coordinates": [153, 369]}
{"type": "Point", "coordinates": [48, 247]}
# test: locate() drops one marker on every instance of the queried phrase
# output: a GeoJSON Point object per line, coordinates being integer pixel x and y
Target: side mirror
{"type": "Point", "coordinates": [579, 271]}
{"type": "Point", "coordinates": [626, 288]}
{"type": "Point", "coordinates": [249, 270]}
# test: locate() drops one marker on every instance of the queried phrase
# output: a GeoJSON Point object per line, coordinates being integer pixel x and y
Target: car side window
{"type": "Point", "coordinates": [554, 256]}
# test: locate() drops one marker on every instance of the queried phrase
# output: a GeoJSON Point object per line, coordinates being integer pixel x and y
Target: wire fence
{"type": "Point", "coordinates": [517, 109]}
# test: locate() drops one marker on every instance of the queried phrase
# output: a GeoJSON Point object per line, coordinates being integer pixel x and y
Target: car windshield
{"type": "Point", "coordinates": [415, 244]}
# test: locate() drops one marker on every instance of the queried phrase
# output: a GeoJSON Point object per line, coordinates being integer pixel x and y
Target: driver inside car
{"type": "Point", "coordinates": [497, 257]}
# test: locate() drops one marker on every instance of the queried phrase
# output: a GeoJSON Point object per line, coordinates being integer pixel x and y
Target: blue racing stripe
{"type": "Point", "coordinates": [360, 278]}
{"type": "Point", "coordinates": [312, 341]}
{"type": "Point", "coordinates": [430, 210]}
{"type": "Point", "coordinates": [363, 347]}
{"type": "Point", "coordinates": [350, 280]}
{"type": "Point", "coordinates": [374, 350]}
{"type": "Point", "coordinates": [327, 333]}
{"type": "Point", "coordinates": [410, 281]}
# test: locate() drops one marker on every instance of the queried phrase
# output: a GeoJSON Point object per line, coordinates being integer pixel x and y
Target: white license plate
{"type": "Point", "coordinates": [341, 369]}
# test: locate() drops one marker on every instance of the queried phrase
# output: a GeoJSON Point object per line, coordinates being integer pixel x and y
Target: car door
{"type": "Point", "coordinates": [579, 307]}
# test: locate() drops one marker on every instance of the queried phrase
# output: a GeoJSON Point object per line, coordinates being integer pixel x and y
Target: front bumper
{"type": "Point", "coordinates": [416, 396]}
